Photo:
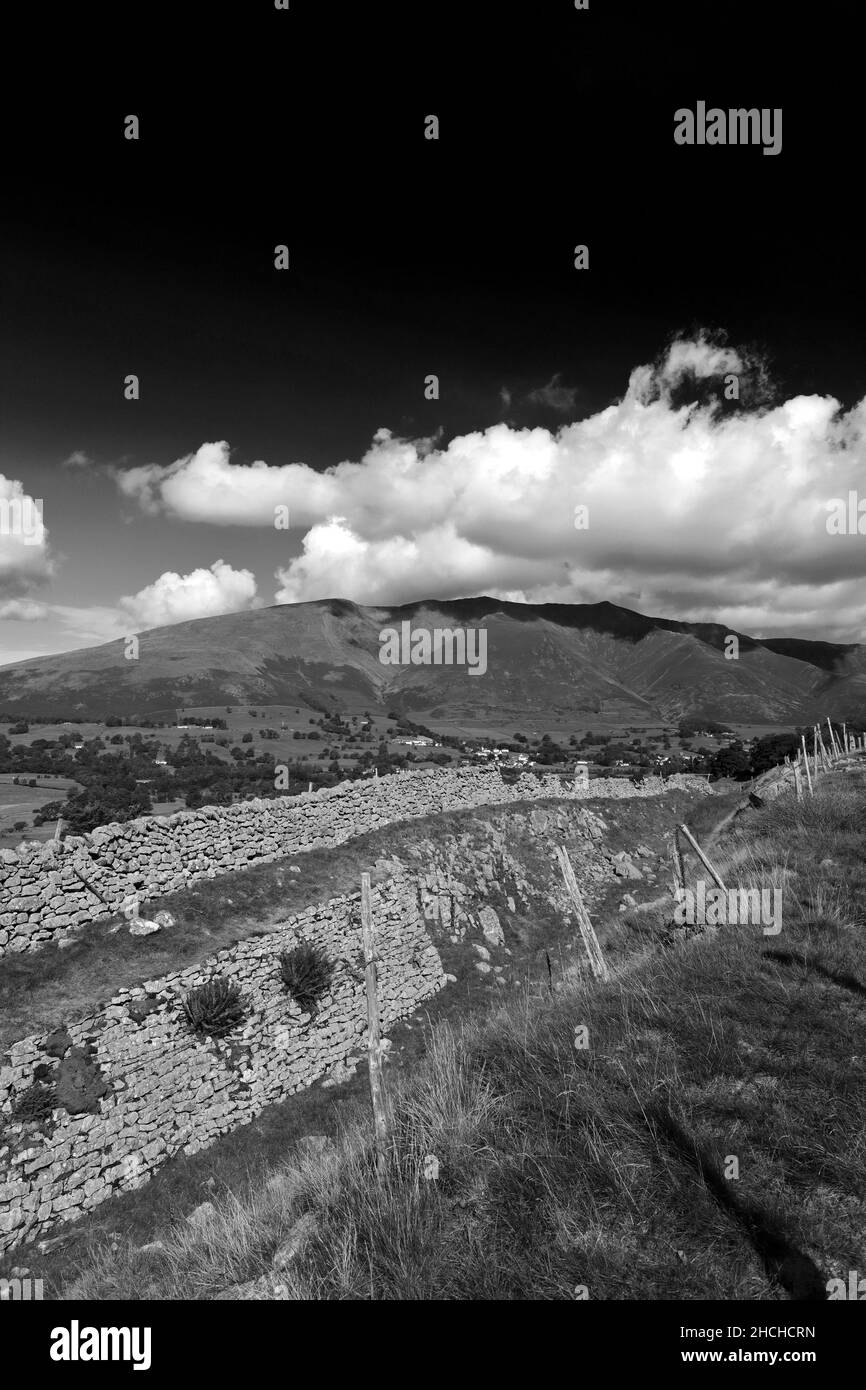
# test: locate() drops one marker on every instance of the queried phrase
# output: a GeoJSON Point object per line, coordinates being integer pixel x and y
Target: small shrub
{"type": "Point", "coordinates": [35, 1104]}
{"type": "Point", "coordinates": [214, 1007]}
{"type": "Point", "coordinates": [306, 973]}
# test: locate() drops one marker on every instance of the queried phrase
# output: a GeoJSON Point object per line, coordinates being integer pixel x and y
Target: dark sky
{"type": "Point", "coordinates": [407, 256]}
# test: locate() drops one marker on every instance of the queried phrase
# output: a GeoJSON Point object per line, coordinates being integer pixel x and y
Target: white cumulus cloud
{"type": "Point", "coordinates": [25, 559]}
{"type": "Point", "coordinates": [698, 509]}
{"type": "Point", "coordinates": [204, 593]}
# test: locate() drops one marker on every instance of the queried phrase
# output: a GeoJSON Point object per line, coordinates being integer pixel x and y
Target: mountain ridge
{"type": "Point", "coordinates": [596, 659]}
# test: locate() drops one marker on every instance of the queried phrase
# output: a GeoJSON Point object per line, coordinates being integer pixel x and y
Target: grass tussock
{"type": "Point", "coordinates": [694, 1129]}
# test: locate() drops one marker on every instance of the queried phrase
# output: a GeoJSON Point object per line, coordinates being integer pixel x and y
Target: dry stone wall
{"type": "Point", "coordinates": [138, 1086]}
{"type": "Point", "coordinates": [43, 897]}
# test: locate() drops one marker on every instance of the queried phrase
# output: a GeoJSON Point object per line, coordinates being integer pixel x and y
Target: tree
{"type": "Point", "coordinates": [771, 750]}
{"type": "Point", "coordinates": [731, 762]}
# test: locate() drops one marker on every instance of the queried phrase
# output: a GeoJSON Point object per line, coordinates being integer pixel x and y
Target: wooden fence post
{"type": "Point", "coordinates": [677, 861]}
{"type": "Point", "coordinates": [832, 738]}
{"type": "Point", "coordinates": [684, 830]}
{"type": "Point", "coordinates": [806, 761]}
{"type": "Point", "coordinates": [378, 1091]}
{"type": "Point", "coordinates": [597, 962]}
{"type": "Point", "coordinates": [58, 829]}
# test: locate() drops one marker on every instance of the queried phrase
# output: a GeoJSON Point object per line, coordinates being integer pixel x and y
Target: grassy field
{"type": "Point", "coordinates": [708, 1142]}
{"type": "Point", "coordinates": [18, 803]}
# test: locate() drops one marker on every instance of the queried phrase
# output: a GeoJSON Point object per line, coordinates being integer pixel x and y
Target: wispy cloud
{"type": "Point", "coordinates": [554, 396]}
{"type": "Point", "coordinates": [23, 610]}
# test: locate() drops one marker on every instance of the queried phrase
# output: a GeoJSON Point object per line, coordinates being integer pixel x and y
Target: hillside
{"type": "Point", "coordinates": [595, 660]}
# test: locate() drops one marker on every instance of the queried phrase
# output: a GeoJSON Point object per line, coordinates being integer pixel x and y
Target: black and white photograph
{"type": "Point", "coordinates": [433, 673]}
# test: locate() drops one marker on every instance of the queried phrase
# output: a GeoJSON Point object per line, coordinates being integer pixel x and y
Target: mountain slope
{"type": "Point", "coordinates": [581, 659]}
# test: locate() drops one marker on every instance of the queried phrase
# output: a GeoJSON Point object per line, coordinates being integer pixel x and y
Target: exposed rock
{"type": "Point", "coordinates": [140, 926]}
{"type": "Point", "coordinates": [491, 927]}
{"type": "Point", "coordinates": [201, 1215]}
{"type": "Point", "coordinates": [140, 1008]}
{"type": "Point", "coordinates": [296, 1241]}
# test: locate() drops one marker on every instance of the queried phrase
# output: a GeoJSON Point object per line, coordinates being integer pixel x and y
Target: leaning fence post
{"type": "Point", "coordinates": [378, 1092]}
{"type": "Point", "coordinates": [597, 962]}
{"type": "Point", "coordinates": [677, 861]}
{"type": "Point", "coordinates": [684, 830]}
